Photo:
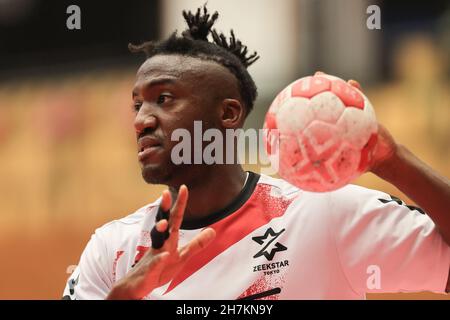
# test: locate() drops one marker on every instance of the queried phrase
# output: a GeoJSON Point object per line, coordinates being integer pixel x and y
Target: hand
{"type": "Point", "coordinates": [386, 147]}
{"type": "Point", "coordinates": [158, 266]}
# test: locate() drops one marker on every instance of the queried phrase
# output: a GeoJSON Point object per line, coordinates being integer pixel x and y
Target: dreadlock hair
{"type": "Point", "coordinates": [231, 53]}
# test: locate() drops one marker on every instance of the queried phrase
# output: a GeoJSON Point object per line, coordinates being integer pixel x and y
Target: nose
{"type": "Point", "coordinates": [144, 120]}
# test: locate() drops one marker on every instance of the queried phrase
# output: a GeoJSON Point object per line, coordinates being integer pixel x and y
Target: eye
{"type": "Point", "coordinates": [163, 98]}
{"type": "Point", "coordinates": [137, 105]}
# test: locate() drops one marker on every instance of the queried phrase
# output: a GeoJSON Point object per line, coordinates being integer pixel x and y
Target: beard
{"type": "Point", "coordinates": [156, 174]}
{"type": "Point", "coordinates": [172, 175]}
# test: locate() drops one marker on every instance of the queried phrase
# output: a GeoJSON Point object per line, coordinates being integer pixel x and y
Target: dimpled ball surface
{"type": "Point", "coordinates": [321, 132]}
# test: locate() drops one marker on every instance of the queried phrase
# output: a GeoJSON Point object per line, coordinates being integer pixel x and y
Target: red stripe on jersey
{"type": "Point", "coordinates": [141, 250]}
{"type": "Point", "coordinates": [256, 212]}
{"type": "Point", "coordinates": [114, 267]}
{"type": "Point", "coordinates": [260, 285]}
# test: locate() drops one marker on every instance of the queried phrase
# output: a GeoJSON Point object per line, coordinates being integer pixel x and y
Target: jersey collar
{"type": "Point", "coordinates": [237, 202]}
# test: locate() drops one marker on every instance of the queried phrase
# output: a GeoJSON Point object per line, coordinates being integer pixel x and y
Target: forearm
{"type": "Point", "coordinates": [428, 189]}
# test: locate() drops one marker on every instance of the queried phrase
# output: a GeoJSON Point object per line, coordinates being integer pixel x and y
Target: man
{"type": "Point", "coordinates": [243, 235]}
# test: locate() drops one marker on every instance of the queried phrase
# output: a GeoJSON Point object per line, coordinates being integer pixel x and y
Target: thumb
{"type": "Point", "coordinates": [354, 83]}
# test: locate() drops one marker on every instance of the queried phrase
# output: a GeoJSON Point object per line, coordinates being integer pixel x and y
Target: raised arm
{"type": "Point", "coordinates": [427, 188]}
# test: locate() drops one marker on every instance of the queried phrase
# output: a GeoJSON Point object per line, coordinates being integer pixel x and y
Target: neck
{"type": "Point", "coordinates": [218, 186]}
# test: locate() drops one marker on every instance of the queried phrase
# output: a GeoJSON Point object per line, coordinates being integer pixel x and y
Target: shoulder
{"type": "Point", "coordinates": [356, 197]}
{"type": "Point", "coordinates": [348, 204]}
{"type": "Point", "coordinates": [125, 229]}
{"type": "Point", "coordinates": [348, 197]}
{"type": "Point", "coordinates": [278, 187]}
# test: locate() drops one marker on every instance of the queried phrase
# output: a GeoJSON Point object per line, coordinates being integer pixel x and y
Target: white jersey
{"type": "Point", "coordinates": [278, 242]}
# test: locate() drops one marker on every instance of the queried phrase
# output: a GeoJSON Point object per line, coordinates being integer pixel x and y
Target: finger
{"type": "Point", "coordinates": [354, 83]}
{"type": "Point", "coordinates": [166, 201]}
{"type": "Point", "coordinates": [201, 241]}
{"type": "Point", "coordinates": [162, 225]}
{"type": "Point", "coordinates": [319, 73]}
{"type": "Point", "coordinates": [163, 213]}
{"type": "Point", "coordinates": [177, 212]}
{"type": "Point", "coordinates": [157, 238]}
{"type": "Point", "coordinates": [159, 234]}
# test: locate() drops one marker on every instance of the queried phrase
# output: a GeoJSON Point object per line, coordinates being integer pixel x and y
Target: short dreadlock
{"type": "Point", "coordinates": [231, 54]}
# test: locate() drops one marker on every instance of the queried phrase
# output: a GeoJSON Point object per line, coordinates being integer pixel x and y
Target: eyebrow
{"type": "Point", "coordinates": [155, 82]}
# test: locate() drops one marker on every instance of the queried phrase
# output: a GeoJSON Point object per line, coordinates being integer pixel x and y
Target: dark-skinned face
{"type": "Point", "coordinates": [171, 92]}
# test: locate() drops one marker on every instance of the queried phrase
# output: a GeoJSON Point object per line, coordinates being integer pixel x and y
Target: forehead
{"type": "Point", "coordinates": [181, 67]}
{"type": "Point", "coordinates": [188, 73]}
{"type": "Point", "coordinates": [175, 66]}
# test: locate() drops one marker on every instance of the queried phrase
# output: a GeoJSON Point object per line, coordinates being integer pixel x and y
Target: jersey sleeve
{"type": "Point", "coordinates": [385, 246]}
{"type": "Point", "coordinates": [91, 279]}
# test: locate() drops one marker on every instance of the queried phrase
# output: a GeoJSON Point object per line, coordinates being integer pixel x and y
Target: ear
{"type": "Point", "coordinates": [232, 113]}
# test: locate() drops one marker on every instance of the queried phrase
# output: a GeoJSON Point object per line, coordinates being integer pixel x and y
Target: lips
{"type": "Point", "coordinates": [147, 146]}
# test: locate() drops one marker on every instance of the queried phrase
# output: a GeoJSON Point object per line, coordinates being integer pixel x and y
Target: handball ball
{"type": "Point", "coordinates": [320, 133]}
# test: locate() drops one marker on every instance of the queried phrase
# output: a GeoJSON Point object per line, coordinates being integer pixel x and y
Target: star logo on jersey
{"type": "Point", "coordinates": [266, 241]}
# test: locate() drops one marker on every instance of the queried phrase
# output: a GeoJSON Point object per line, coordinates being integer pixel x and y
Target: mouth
{"type": "Point", "coordinates": [147, 147]}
